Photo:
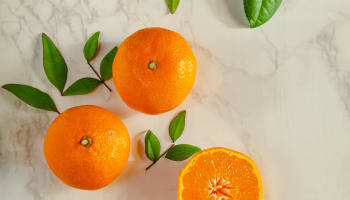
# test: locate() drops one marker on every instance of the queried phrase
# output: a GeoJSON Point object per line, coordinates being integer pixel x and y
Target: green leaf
{"type": "Point", "coordinates": [177, 126]}
{"type": "Point", "coordinates": [181, 152]}
{"type": "Point", "coordinates": [82, 86]}
{"type": "Point", "coordinates": [91, 47]}
{"type": "Point", "coordinates": [32, 96]}
{"type": "Point", "coordinates": [260, 11]}
{"type": "Point", "coordinates": [106, 64]}
{"type": "Point", "coordinates": [152, 146]}
{"type": "Point", "coordinates": [172, 5]}
{"type": "Point", "coordinates": [54, 65]}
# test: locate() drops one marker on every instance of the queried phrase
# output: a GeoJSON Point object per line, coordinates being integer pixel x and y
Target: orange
{"type": "Point", "coordinates": [87, 147]}
{"type": "Point", "coordinates": [219, 174]}
{"type": "Point", "coordinates": [154, 70]}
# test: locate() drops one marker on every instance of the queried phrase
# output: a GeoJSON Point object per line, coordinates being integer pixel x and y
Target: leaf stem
{"type": "Point", "coordinates": [161, 155]}
{"type": "Point", "coordinates": [99, 77]}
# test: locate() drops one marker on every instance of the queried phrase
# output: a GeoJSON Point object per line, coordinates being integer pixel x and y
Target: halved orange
{"type": "Point", "coordinates": [219, 174]}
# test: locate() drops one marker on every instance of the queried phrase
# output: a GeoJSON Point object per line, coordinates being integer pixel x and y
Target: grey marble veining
{"type": "Point", "coordinates": [279, 93]}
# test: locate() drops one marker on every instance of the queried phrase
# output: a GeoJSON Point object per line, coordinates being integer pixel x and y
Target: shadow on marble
{"type": "Point", "coordinates": [158, 183]}
{"type": "Point", "coordinates": [116, 105]}
{"type": "Point", "coordinates": [229, 12]}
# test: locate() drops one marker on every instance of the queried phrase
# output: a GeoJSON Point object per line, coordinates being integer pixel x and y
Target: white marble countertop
{"type": "Point", "coordinates": [279, 93]}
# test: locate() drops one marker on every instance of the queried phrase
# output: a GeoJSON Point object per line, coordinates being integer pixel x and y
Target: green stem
{"type": "Point", "coordinates": [163, 154]}
{"type": "Point", "coordinates": [85, 141]}
{"type": "Point", "coordinates": [152, 65]}
{"type": "Point", "coordinates": [99, 77]}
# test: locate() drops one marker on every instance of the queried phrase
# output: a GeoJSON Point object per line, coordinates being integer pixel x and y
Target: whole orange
{"type": "Point", "coordinates": [219, 173]}
{"type": "Point", "coordinates": [154, 70]}
{"type": "Point", "coordinates": [87, 147]}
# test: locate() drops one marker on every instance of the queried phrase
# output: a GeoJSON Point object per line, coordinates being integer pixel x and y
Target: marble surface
{"type": "Point", "coordinates": [279, 93]}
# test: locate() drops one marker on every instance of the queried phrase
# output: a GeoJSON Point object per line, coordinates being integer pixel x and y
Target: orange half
{"type": "Point", "coordinates": [219, 174]}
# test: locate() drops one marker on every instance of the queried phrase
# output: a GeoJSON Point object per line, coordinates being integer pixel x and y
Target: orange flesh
{"type": "Point", "coordinates": [219, 174]}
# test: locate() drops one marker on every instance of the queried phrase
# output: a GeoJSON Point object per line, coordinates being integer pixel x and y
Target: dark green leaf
{"type": "Point", "coordinates": [91, 47]}
{"type": "Point", "coordinates": [181, 152]}
{"type": "Point", "coordinates": [82, 86]}
{"type": "Point", "coordinates": [32, 96]}
{"type": "Point", "coordinates": [177, 126]}
{"type": "Point", "coordinates": [106, 64]}
{"type": "Point", "coordinates": [54, 65]}
{"type": "Point", "coordinates": [152, 146]}
{"type": "Point", "coordinates": [260, 11]}
{"type": "Point", "coordinates": [172, 5]}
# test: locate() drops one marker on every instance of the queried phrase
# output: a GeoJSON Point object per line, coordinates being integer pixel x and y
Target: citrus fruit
{"type": "Point", "coordinates": [87, 147]}
{"type": "Point", "coordinates": [219, 174]}
{"type": "Point", "coordinates": [154, 70]}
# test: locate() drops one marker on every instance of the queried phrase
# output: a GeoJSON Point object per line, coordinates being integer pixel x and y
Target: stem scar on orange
{"type": "Point", "coordinates": [87, 147]}
{"type": "Point", "coordinates": [154, 70]}
{"type": "Point", "coordinates": [219, 174]}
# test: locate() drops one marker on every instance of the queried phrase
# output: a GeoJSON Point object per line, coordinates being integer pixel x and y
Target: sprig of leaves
{"type": "Point", "coordinates": [152, 146]}
{"type": "Point", "coordinates": [181, 152]}
{"type": "Point", "coordinates": [106, 64]}
{"type": "Point", "coordinates": [82, 86]}
{"type": "Point", "coordinates": [259, 12]}
{"type": "Point", "coordinates": [32, 96]}
{"type": "Point", "coordinates": [91, 48]}
{"type": "Point", "coordinates": [177, 126]}
{"type": "Point", "coordinates": [178, 152]}
{"type": "Point", "coordinates": [172, 5]}
{"type": "Point", "coordinates": [56, 71]}
{"type": "Point", "coordinates": [56, 68]}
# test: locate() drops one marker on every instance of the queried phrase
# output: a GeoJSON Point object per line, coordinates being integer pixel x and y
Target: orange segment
{"type": "Point", "coordinates": [219, 174]}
